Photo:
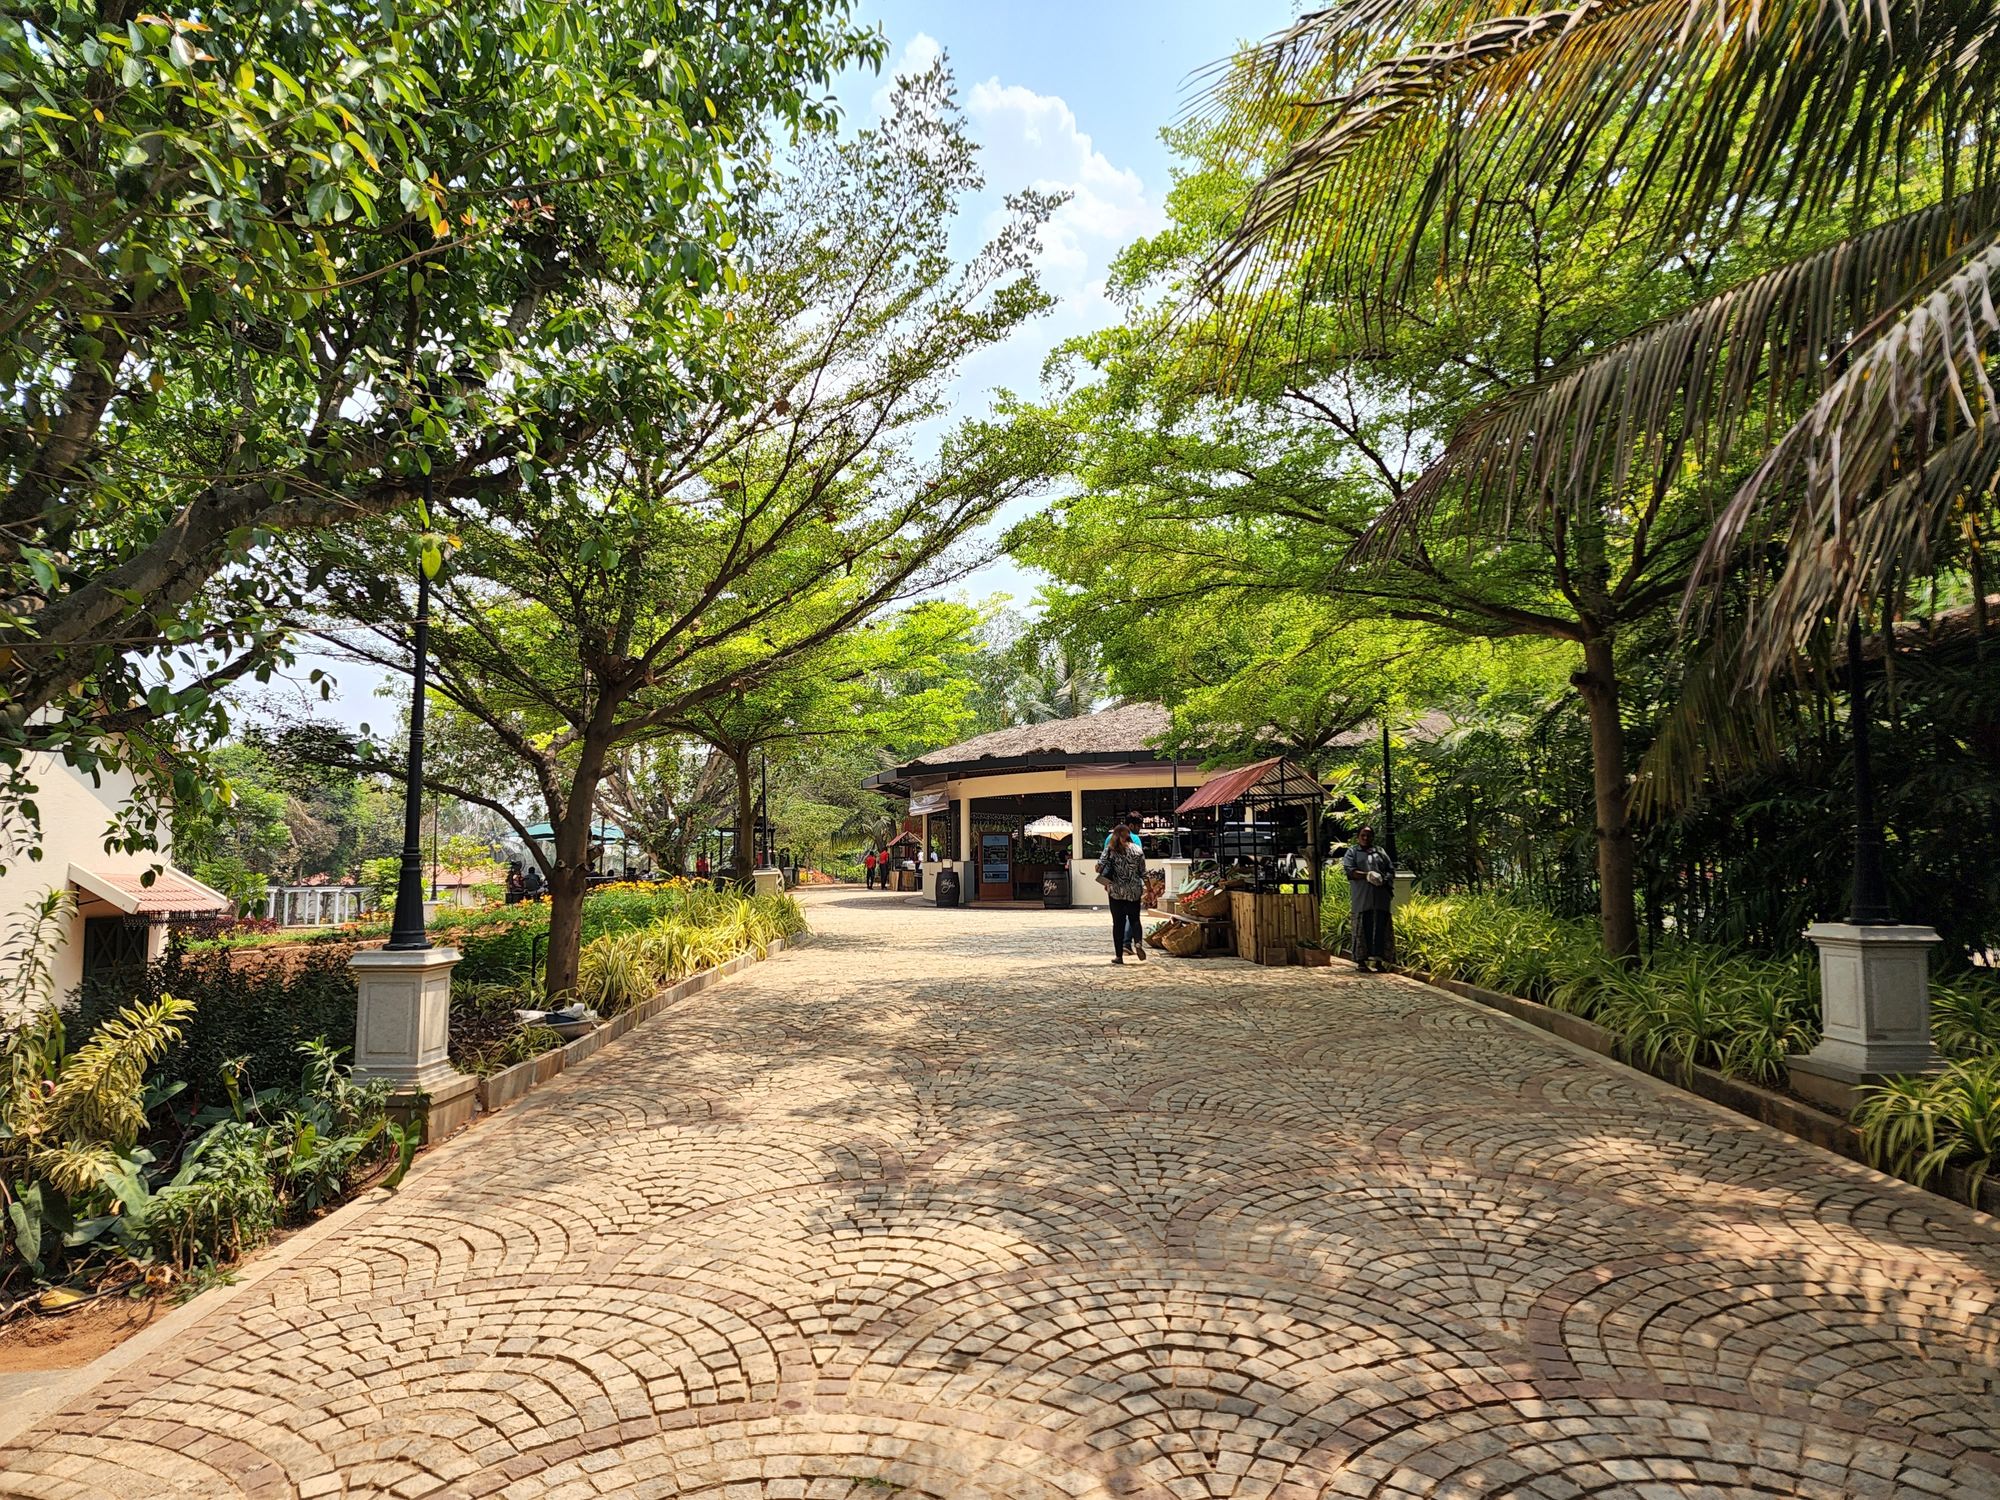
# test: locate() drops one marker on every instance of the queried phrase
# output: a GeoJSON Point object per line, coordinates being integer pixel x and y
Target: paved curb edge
{"type": "Point", "coordinates": [1761, 1107]}
{"type": "Point", "coordinates": [24, 1410]}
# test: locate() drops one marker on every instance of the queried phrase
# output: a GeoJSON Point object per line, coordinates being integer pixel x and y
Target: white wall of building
{"type": "Point", "coordinates": [77, 812]}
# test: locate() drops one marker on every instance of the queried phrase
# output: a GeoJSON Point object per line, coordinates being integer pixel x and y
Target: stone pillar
{"type": "Point", "coordinates": [968, 879]}
{"type": "Point", "coordinates": [1875, 1005]}
{"type": "Point", "coordinates": [402, 1033]}
{"type": "Point", "coordinates": [1083, 887]}
{"type": "Point", "coordinates": [769, 880]}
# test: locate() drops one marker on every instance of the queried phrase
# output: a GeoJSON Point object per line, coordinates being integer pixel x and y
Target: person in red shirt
{"type": "Point", "coordinates": [868, 864]}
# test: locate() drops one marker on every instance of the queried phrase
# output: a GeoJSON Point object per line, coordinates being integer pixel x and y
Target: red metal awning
{"type": "Point", "coordinates": [171, 891]}
{"type": "Point", "coordinates": [1229, 787]}
{"type": "Point", "coordinates": [1269, 783]}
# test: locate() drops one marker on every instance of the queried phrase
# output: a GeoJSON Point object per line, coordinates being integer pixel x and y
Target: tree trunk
{"type": "Point", "coordinates": [567, 884]}
{"type": "Point", "coordinates": [569, 881]}
{"type": "Point", "coordinates": [742, 860]}
{"type": "Point", "coordinates": [1618, 911]}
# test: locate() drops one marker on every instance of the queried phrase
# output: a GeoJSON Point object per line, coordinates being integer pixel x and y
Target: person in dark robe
{"type": "Point", "coordinates": [1371, 886]}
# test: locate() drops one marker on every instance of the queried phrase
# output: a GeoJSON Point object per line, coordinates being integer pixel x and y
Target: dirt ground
{"type": "Point", "coordinates": [65, 1341]}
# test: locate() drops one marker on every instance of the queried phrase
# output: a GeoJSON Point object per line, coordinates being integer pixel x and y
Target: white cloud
{"type": "Point", "coordinates": [1033, 140]}
{"type": "Point", "coordinates": [919, 52]}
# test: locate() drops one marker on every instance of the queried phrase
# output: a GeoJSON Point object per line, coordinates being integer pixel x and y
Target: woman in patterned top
{"type": "Point", "coordinates": [1122, 873]}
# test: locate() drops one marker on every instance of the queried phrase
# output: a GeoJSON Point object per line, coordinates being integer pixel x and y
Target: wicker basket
{"type": "Point", "coordinates": [1182, 939]}
{"type": "Point", "coordinates": [1206, 904]}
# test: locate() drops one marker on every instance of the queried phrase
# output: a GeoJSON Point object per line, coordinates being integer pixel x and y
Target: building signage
{"type": "Point", "coordinates": [996, 867]}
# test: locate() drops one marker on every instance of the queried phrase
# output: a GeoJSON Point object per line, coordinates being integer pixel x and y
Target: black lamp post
{"type": "Point", "coordinates": [763, 810]}
{"type": "Point", "coordinates": [1388, 799]}
{"type": "Point", "coordinates": [1871, 886]}
{"type": "Point", "coordinates": [406, 931]}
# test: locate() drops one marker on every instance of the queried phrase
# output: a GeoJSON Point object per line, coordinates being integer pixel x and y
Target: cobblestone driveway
{"type": "Point", "coordinates": [944, 1205]}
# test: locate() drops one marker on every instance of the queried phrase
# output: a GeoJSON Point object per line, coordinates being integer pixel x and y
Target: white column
{"type": "Point", "coordinates": [1875, 1009]}
{"type": "Point", "coordinates": [1083, 888]}
{"type": "Point", "coordinates": [402, 1023]}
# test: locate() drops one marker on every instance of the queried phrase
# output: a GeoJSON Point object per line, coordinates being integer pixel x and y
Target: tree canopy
{"type": "Point", "coordinates": [269, 262]}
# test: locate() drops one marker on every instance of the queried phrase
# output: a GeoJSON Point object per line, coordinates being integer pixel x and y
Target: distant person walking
{"type": "Point", "coordinates": [1122, 873]}
{"type": "Point", "coordinates": [701, 866]}
{"type": "Point", "coordinates": [868, 865]}
{"type": "Point", "coordinates": [1371, 886]}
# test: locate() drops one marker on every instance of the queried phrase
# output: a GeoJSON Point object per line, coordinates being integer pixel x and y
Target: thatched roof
{"type": "Point", "coordinates": [1129, 729]}
{"type": "Point", "coordinates": [1127, 733]}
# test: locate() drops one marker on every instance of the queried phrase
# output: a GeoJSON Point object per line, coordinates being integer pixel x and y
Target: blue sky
{"type": "Point", "coordinates": [1069, 96]}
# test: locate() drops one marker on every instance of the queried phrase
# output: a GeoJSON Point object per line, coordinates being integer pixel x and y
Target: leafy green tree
{"type": "Point", "coordinates": [1829, 167]}
{"type": "Point", "coordinates": [603, 605]}
{"type": "Point", "coordinates": [892, 683]}
{"type": "Point", "coordinates": [266, 262]}
{"type": "Point", "coordinates": [666, 794]}
{"type": "Point", "coordinates": [1300, 480]}
{"type": "Point", "coordinates": [243, 817]}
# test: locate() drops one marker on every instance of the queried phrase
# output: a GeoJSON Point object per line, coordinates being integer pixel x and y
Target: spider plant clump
{"type": "Point", "coordinates": [1919, 1128]}
{"type": "Point", "coordinates": [622, 968]}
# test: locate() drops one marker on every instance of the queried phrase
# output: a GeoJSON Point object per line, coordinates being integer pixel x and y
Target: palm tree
{"type": "Point", "coordinates": [1058, 680]}
{"type": "Point", "coordinates": [1852, 144]}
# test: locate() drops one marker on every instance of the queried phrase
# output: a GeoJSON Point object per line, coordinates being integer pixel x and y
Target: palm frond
{"type": "Point", "coordinates": [1861, 489]}
{"type": "Point", "coordinates": [1682, 387]}
{"type": "Point", "coordinates": [1387, 123]}
{"type": "Point", "coordinates": [1714, 730]}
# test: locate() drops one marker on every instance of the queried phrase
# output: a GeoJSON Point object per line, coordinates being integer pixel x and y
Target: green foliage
{"type": "Point", "coordinates": [381, 875]}
{"type": "Point", "coordinates": [233, 878]}
{"type": "Point", "coordinates": [257, 1014]}
{"type": "Point", "coordinates": [622, 968]}
{"type": "Point", "coordinates": [1965, 1015]}
{"type": "Point", "coordinates": [1919, 1127]}
{"type": "Point", "coordinates": [89, 1181]}
{"type": "Point", "coordinates": [751, 547]}
{"type": "Point", "coordinates": [1686, 1005]}
{"type": "Point", "coordinates": [222, 1202]}
{"type": "Point", "coordinates": [227, 236]}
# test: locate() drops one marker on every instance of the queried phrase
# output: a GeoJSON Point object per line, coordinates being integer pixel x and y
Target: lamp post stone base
{"type": "Point", "coordinates": [1875, 1006]}
{"type": "Point", "coordinates": [402, 1034]}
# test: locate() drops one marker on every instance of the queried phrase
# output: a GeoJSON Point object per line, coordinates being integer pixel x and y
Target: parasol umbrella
{"type": "Point", "coordinates": [1050, 827]}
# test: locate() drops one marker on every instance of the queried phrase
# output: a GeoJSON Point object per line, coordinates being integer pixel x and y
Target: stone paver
{"type": "Point", "coordinates": [945, 1206]}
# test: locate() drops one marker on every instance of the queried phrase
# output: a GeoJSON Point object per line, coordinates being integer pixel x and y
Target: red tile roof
{"type": "Point", "coordinates": [171, 890]}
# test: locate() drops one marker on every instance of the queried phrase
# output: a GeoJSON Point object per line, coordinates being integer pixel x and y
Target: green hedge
{"type": "Point", "coordinates": [262, 1012]}
{"type": "Point", "coordinates": [261, 1005]}
{"type": "Point", "coordinates": [1686, 1003]}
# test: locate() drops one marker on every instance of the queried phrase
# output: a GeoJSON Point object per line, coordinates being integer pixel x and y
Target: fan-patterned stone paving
{"type": "Point", "coordinates": [945, 1207]}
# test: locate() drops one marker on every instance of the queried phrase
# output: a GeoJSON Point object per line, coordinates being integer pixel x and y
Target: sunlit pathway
{"type": "Point", "coordinates": [944, 1205]}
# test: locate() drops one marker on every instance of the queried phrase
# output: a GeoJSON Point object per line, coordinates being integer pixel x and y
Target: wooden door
{"type": "Point", "coordinates": [996, 865]}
